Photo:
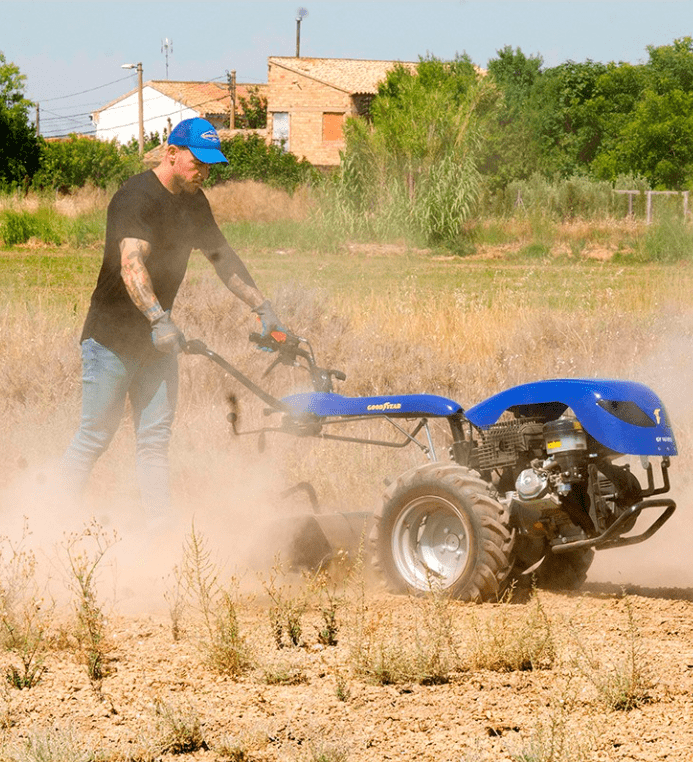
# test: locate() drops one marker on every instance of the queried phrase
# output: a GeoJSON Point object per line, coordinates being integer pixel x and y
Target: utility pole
{"type": "Point", "coordinates": [140, 102]}
{"type": "Point", "coordinates": [38, 126]}
{"type": "Point", "coordinates": [231, 78]}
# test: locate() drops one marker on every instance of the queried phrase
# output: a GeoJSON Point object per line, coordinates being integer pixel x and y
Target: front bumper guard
{"type": "Point", "coordinates": [611, 538]}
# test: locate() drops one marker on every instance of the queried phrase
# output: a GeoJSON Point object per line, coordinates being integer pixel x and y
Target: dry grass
{"type": "Point", "coordinates": [508, 643]}
{"type": "Point", "coordinates": [82, 201]}
{"type": "Point", "coordinates": [415, 646]}
{"type": "Point", "coordinates": [230, 202]}
{"type": "Point", "coordinates": [467, 343]}
{"type": "Point", "coordinates": [251, 200]}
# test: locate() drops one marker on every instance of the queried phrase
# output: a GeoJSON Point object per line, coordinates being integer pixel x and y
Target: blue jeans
{"type": "Point", "coordinates": [152, 386]}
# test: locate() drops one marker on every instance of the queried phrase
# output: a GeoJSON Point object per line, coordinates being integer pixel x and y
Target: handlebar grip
{"type": "Point", "coordinates": [277, 341]}
{"type": "Point", "coordinates": [338, 374]}
{"type": "Point", "coordinates": [194, 347]}
{"type": "Point", "coordinates": [266, 342]}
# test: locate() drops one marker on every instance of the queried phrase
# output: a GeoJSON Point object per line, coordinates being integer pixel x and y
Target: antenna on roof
{"type": "Point", "coordinates": [166, 47]}
{"type": "Point", "coordinates": [300, 15]}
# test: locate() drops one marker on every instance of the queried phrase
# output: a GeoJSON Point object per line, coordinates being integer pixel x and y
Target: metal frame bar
{"type": "Point", "coordinates": [607, 539]}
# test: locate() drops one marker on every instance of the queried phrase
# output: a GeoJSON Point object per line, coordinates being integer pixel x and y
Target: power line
{"type": "Point", "coordinates": [163, 116]}
{"type": "Point", "coordinates": [90, 90]}
{"type": "Point", "coordinates": [132, 124]}
{"type": "Point", "coordinates": [114, 107]}
{"type": "Point", "coordinates": [84, 105]}
{"type": "Point", "coordinates": [91, 128]}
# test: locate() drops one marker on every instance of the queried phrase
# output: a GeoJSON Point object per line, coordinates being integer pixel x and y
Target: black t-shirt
{"type": "Point", "coordinates": [173, 225]}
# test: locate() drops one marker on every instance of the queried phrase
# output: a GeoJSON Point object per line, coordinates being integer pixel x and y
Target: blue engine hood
{"type": "Point", "coordinates": [599, 405]}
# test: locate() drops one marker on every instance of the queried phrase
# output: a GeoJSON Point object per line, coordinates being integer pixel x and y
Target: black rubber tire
{"type": "Point", "coordinates": [442, 514]}
{"type": "Point", "coordinates": [565, 571]}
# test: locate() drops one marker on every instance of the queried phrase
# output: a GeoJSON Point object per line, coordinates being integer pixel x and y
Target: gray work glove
{"type": "Point", "coordinates": [166, 336]}
{"type": "Point", "coordinates": [270, 322]}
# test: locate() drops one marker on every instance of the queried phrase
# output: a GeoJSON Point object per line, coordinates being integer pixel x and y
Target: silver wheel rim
{"type": "Point", "coordinates": [431, 543]}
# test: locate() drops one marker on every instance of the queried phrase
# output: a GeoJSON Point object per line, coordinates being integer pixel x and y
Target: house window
{"type": "Point", "coordinates": [280, 129]}
{"type": "Point", "coordinates": [332, 127]}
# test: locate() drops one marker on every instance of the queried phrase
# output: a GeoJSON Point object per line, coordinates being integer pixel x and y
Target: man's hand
{"type": "Point", "coordinates": [270, 322]}
{"type": "Point", "coordinates": [166, 336]}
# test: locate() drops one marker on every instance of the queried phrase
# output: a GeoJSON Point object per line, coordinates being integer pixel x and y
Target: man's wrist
{"type": "Point", "coordinates": [154, 314]}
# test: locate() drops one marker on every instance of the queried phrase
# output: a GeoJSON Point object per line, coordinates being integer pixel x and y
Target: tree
{"type": "Point", "coordinates": [652, 129]}
{"type": "Point", "coordinates": [251, 158]}
{"type": "Point", "coordinates": [412, 166]}
{"type": "Point", "coordinates": [565, 118]}
{"type": "Point", "coordinates": [511, 150]}
{"type": "Point", "coordinates": [420, 116]}
{"type": "Point", "coordinates": [253, 114]}
{"type": "Point", "coordinates": [151, 141]}
{"type": "Point", "coordinates": [672, 66]}
{"type": "Point", "coordinates": [656, 143]}
{"type": "Point", "coordinates": [19, 146]}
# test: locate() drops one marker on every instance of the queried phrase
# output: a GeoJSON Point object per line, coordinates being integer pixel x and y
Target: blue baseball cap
{"type": "Point", "coordinates": [201, 138]}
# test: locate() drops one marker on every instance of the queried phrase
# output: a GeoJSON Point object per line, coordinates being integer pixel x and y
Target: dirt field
{"type": "Point", "coordinates": [603, 674]}
{"type": "Point", "coordinates": [478, 715]}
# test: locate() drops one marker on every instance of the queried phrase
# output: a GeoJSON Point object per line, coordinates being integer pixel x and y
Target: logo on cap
{"type": "Point", "coordinates": [211, 136]}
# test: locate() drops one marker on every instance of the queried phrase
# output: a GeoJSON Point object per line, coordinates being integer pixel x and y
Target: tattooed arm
{"type": "Point", "coordinates": [133, 255]}
{"type": "Point", "coordinates": [234, 275]}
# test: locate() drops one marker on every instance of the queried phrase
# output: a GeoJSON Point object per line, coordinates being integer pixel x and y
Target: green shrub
{"type": "Point", "coordinates": [19, 227]}
{"type": "Point", "coordinates": [566, 199]}
{"type": "Point", "coordinates": [77, 161]}
{"type": "Point", "coordinates": [87, 229]}
{"type": "Point", "coordinates": [250, 158]}
{"type": "Point", "coordinates": [669, 239]}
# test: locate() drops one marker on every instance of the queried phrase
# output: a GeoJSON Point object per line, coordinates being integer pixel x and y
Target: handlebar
{"type": "Point", "coordinates": [289, 351]}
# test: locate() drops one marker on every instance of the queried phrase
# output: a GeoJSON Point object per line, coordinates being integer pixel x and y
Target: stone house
{"type": "Point", "coordinates": [308, 100]}
{"type": "Point", "coordinates": [164, 104]}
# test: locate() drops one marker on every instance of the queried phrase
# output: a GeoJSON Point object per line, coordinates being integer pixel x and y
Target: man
{"type": "Point", "coordinates": [130, 341]}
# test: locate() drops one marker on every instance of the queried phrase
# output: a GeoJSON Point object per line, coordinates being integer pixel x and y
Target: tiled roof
{"type": "Point", "coordinates": [351, 75]}
{"type": "Point", "coordinates": [205, 97]}
{"type": "Point", "coordinates": [208, 97]}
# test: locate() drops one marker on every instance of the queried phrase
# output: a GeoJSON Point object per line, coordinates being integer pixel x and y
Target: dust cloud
{"type": "Point", "coordinates": [664, 560]}
{"type": "Point", "coordinates": [233, 499]}
{"type": "Point", "coordinates": [232, 516]}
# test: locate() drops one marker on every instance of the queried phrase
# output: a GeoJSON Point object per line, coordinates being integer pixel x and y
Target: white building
{"type": "Point", "coordinates": [164, 104]}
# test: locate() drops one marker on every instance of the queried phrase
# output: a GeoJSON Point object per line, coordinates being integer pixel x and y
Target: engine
{"type": "Point", "coordinates": [557, 481]}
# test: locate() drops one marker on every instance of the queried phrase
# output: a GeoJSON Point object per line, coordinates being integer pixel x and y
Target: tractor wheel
{"type": "Point", "coordinates": [565, 571]}
{"type": "Point", "coordinates": [440, 528]}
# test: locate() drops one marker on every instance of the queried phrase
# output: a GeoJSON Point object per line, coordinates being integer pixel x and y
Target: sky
{"type": "Point", "coordinates": [71, 53]}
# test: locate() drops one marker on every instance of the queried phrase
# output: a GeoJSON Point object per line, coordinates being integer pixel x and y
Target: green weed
{"type": "Point", "coordinates": [626, 684]}
{"type": "Point", "coordinates": [242, 746]}
{"type": "Point", "coordinates": [48, 746]}
{"type": "Point", "coordinates": [288, 604]}
{"type": "Point", "coordinates": [225, 647]}
{"type": "Point", "coordinates": [506, 643]}
{"type": "Point", "coordinates": [83, 565]}
{"type": "Point", "coordinates": [668, 239]}
{"type": "Point", "coordinates": [179, 729]}
{"type": "Point", "coordinates": [425, 653]}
